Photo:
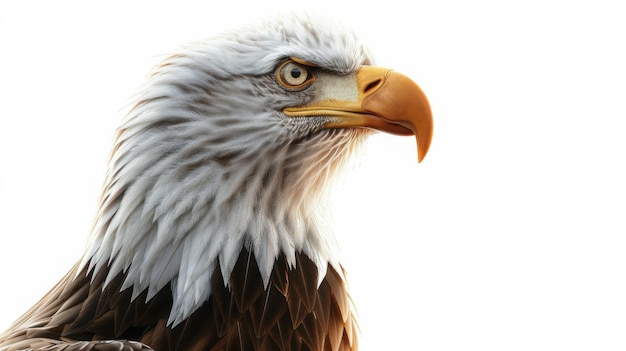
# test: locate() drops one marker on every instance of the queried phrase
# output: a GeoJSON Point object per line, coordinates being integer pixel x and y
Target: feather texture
{"type": "Point", "coordinates": [292, 313]}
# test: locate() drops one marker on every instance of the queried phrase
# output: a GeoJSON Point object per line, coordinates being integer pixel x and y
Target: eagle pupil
{"type": "Point", "coordinates": [295, 73]}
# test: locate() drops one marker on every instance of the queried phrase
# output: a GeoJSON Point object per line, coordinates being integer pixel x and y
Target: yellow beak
{"type": "Point", "coordinates": [387, 101]}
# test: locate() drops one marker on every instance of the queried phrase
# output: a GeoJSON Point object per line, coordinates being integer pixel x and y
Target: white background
{"type": "Point", "coordinates": [505, 238]}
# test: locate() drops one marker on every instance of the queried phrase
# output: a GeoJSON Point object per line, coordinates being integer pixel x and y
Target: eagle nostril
{"type": "Point", "coordinates": [371, 86]}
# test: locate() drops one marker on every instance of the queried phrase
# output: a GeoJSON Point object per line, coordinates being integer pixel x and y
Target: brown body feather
{"type": "Point", "coordinates": [291, 313]}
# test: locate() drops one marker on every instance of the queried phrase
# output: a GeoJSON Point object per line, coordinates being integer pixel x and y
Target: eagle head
{"type": "Point", "coordinates": [231, 144]}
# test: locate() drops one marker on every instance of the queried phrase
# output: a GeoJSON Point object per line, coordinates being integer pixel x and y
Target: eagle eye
{"type": "Point", "coordinates": [294, 76]}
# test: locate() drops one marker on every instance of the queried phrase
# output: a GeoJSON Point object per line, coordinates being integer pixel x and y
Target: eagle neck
{"type": "Point", "coordinates": [174, 222]}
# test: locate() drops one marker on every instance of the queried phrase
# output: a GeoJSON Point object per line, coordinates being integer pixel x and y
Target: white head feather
{"type": "Point", "coordinates": [206, 163]}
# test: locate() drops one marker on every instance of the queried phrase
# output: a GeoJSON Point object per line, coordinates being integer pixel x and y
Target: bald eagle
{"type": "Point", "coordinates": [208, 233]}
